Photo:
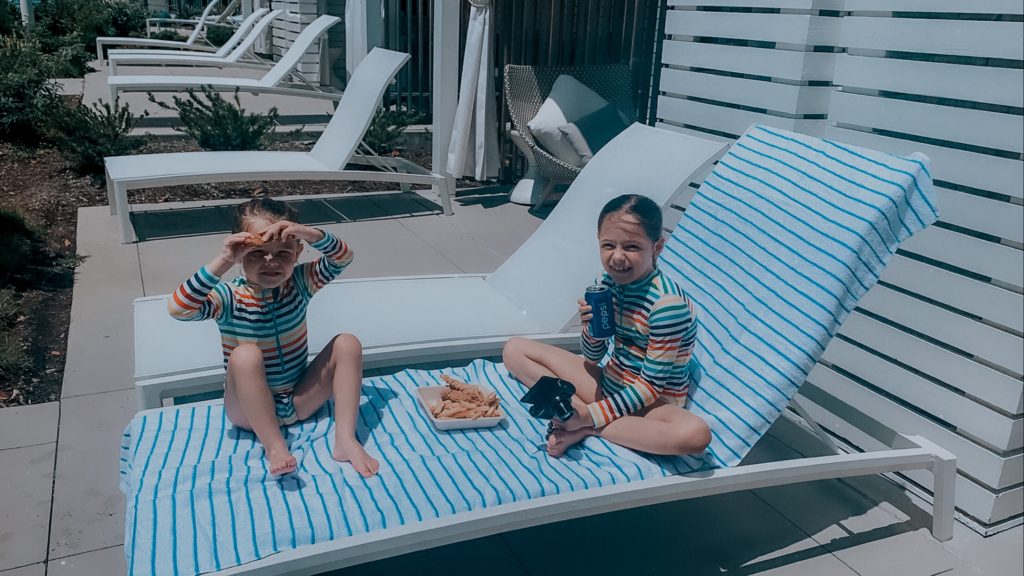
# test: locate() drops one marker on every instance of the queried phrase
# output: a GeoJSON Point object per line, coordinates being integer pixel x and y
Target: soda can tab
{"type": "Point", "coordinates": [602, 323]}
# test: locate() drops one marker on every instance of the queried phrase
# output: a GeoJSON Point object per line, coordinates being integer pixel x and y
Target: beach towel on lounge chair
{"type": "Point", "coordinates": [775, 250]}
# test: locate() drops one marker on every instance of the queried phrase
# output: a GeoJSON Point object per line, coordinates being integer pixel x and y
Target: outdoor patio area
{"type": "Point", "coordinates": [62, 512]}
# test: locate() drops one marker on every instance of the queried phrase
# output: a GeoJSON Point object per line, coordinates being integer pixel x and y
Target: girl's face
{"type": "Point", "coordinates": [269, 265]}
{"type": "Point", "coordinates": [627, 254]}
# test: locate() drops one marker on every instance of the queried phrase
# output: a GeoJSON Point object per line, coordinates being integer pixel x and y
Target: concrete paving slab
{"type": "Point", "coordinates": [105, 562]}
{"type": "Point", "coordinates": [88, 507]}
{"type": "Point", "coordinates": [906, 554]}
{"type": "Point", "coordinates": [702, 536]}
{"type": "Point", "coordinates": [489, 556]}
{"type": "Point", "coordinates": [106, 282]}
{"type": "Point", "coordinates": [167, 263]}
{"type": "Point", "coordinates": [22, 426]}
{"type": "Point", "coordinates": [999, 554]}
{"type": "Point", "coordinates": [477, 217]}
{"type": "Point", "coordinates": [26, 484]}
{"type": "Point", "coordinates": [463, 250]}
{"type": "Point", "coordinates": [33, 570]}
{"type": "Point", "coordinates": [387, 248]}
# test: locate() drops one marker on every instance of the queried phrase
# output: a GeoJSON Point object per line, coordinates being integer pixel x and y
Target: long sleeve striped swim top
{"type": "Point", "coordinates": [655, 332]}
{"type": "Point", "coordinates": [273, 319]}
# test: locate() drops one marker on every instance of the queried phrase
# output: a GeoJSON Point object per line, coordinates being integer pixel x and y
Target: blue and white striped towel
{"type": "Point", "coordinates": [782, 240]}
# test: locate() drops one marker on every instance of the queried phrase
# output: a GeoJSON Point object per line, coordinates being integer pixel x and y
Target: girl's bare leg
{"type": "Point", "coordinates": [338, 371]}
{"type": "Point", "coordinates": [659, 429]}
{"type": "Point", "coordinates": [528, 360]}
{"type": "Point", "coordinates": [250, 405]}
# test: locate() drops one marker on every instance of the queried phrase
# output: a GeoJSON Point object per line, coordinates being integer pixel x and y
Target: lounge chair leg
{"type": "Point", "coordinates": [111, 195]}
{"type": "Point", "coordinates": [123, 213]}
{"type": "Point", "coordinates": [943, 468]}
{"type": "Point", "coordinates": [444, 189]}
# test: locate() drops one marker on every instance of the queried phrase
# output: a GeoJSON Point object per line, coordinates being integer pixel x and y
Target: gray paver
{"type": "Point", "coordinates": [489, 556]}
{"type": "Point", "coordinates": [386, 248]}
{"type": "Point", "coordinates": [103, 562]}
{"type": "Point", "coordinates": [33, 570]}
{"type": "Point", "coordinates": [26, 482]}
{"type": "Point", "coordinates": [476, 217]}
{"type": "Point", "coordinates": [167, 263]}
{"type": "Point", "coordinates": [28, 425]}
{"type": "Point", "coordinates": [998, 554]}
{"type": "Point", "coordinates": [88, 507]}
{"type": "Point", "coordinates": [701, 536]}
{"type": "Point", "coordinates": [101, 322]}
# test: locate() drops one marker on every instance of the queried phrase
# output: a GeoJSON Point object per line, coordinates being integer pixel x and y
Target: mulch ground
{"type": "Point", "coordinates": [40, 185]}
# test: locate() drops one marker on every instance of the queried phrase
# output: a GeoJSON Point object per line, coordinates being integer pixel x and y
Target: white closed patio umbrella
{"type": "Point", "coordinates": [474, 145]}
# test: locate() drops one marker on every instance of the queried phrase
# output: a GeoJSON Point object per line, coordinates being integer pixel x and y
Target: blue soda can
{"type": "Point", "coordinates": [602, 324]}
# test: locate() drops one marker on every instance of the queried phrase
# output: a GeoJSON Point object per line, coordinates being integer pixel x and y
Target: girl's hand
{"type": "Point", "coordinates": [586, 312]}
{"type": "Point", "coordinates": [283, 230]}
{"type": "Point", "coordinates": [236, 246]}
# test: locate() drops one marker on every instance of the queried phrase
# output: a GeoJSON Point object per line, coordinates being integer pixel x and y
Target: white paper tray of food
{"type": "Point", "coordinates": [460, 405]}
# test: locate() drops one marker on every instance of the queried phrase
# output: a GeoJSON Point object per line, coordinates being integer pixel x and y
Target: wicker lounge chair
{"type": "Point", "coordinates": [526, 87]}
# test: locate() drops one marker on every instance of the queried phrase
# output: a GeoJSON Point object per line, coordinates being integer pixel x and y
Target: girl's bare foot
{"type": "Point", "coordinates": [561, 440]}
{"type": "Point", "coordinates": [281, 461]}
{"type": "Point", "coordinates": [351, 451]}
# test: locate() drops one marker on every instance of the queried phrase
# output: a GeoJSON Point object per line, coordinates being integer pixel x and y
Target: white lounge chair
{"type": "Point", "coordinates": [775, 250]}
{"type": "Point", "coordinates": [229, 54]}
{"type": "Point", "coordinates": [187, 44]}
{"type": "Point", "coordinates": [271, 82]}
{"type": "Point", "coordinates": [465, 315]}
{"type": "Point", "coordinates": [326, 161]}
{"type": "Point", "coordinates": [158, 24]}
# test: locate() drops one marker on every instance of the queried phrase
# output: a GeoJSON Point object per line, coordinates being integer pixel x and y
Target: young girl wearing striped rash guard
{"type": "Point", "coordinates": [637, 399]}
{"type": "Point", "coordinates": [262, 321]}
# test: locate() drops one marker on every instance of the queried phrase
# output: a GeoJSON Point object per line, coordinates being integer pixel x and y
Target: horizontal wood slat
{"type": "Point", "coordinates": [786, 98]}
{"type": "Point", "coordinates": [724, 119]}
{"type": "Point", "coordinates": [993, 345]}
{"type": "Point", "coordinates": [981, 299]}
{"type": "Point", "coordinates": [1003, 86]}
{"type": "Point", "coordinates": [992, 217]}
{"type": "Point", "coordinates": [791, 65]}
{"type": "Point", "coordinates": [969, 253]}
{"type": "Point", "coordinates": [989, 173]}
{"type": "Point", "coordinates": [782, 4]}
{"type": "Point", "coordinates": [977, 380]}
{"type": "Point", "coordinates": [927, 36]}
{"type": "Point", "coordinates": [975, 127]}
{"type": "Point", "coordinates": [950, 6]}
{"type": "Point", "coordinates": [782, 28]}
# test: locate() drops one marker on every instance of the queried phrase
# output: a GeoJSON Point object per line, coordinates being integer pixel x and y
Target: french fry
{"type": "Point", "coordinates": [466, 401]}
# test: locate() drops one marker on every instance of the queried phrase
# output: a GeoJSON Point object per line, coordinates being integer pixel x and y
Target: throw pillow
{"type": "Point", "coordinates": [568, 101]}
{"type": "Point", "coordinates": [590, 133]}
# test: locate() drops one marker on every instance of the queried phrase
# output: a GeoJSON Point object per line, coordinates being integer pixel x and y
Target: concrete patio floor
{"type": "Point", "coordinates": [61, 511]}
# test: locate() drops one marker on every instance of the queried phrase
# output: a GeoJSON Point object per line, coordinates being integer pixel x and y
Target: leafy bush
{"type": "Point", "coordinates": [217, 124]}
{"type": "Point", "coordinates": [28, 94]}
{"type": "Point", "coordinates": [69, 28]}
{"type": "Point", "coordinates": [10, 19]}
{"type": "Point", "coordinates": [218, 34]}
{"type": "Point", "coordinates": [86, 135]}
{"type": "Point", "coordinates": [13, 359]}
{"type": "Point", "coordinates": [15, 243]}
{"type": "Point", "coordinates": [168, 35]}
{"type": "Point", "coordinates": [387, 128]}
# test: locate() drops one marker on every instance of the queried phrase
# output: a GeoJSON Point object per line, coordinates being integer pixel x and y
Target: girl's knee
{"type": "Point", "coordinates": [514, 349]}
{"type": "Point", "coordinates": [347, 346]}
{"type": "Point", "coordinates": [247, 354]}
{"type": "Point", "coordinates": [694, 437]}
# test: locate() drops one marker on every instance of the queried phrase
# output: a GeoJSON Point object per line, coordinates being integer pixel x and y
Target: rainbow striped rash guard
{"type": "Point", "coordinates": [655, 331]}
{"type": "Point", "coordinates": [273, 319]}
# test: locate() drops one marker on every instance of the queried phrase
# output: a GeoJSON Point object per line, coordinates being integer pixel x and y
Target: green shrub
{"type": "Point", "coordinates": [28, 94]}
{"type": "Point", "coordinates": [15, 243]}
{"type": "Point", "coordinates": [168, 35]}
{"type": "Point", "coordinates": [387, 128]}
{"type": "Point", "coordinates": [10, 19]}
{"type": "Point", "coordinates": [85, 135]}
{"type": "Point", "coordinates": [217, 124]}
{"type": "Point", "coordinates": [67, 23]}
{"type": "Point", "coordinates": [218, 34]}
{"type": "Point", "coordinates": [13, 360]}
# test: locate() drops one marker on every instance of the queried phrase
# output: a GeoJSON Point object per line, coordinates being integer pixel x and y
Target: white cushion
{"type": "Point", "coordinates": [568, 101]}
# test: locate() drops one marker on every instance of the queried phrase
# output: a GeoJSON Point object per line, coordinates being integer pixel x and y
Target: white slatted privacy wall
{"type": "Point", "coordinates": [729, 64]}
{"type": "Point", "coordinates": [284, 30]}
{"type": "Point", "coordinates": [936, 348]}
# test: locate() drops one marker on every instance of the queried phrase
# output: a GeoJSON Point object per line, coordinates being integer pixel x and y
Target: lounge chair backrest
{"type": "Point", "coordinates": [357, 107]}
{"type": "Point", "coordinates": [290, 59]}
{"type": "Point", "coordinates": [240, 33]}
{"type": "Point", "coordinates": [227, 11]}
{"type": "Point", "coordinates": [782, 240]}
{"type": "Point", "coordinates": [254, 34]}
{"type": "Point", "coordinates": [201, 22]}
{"type": "Point", "coordinates": [555, 258]}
